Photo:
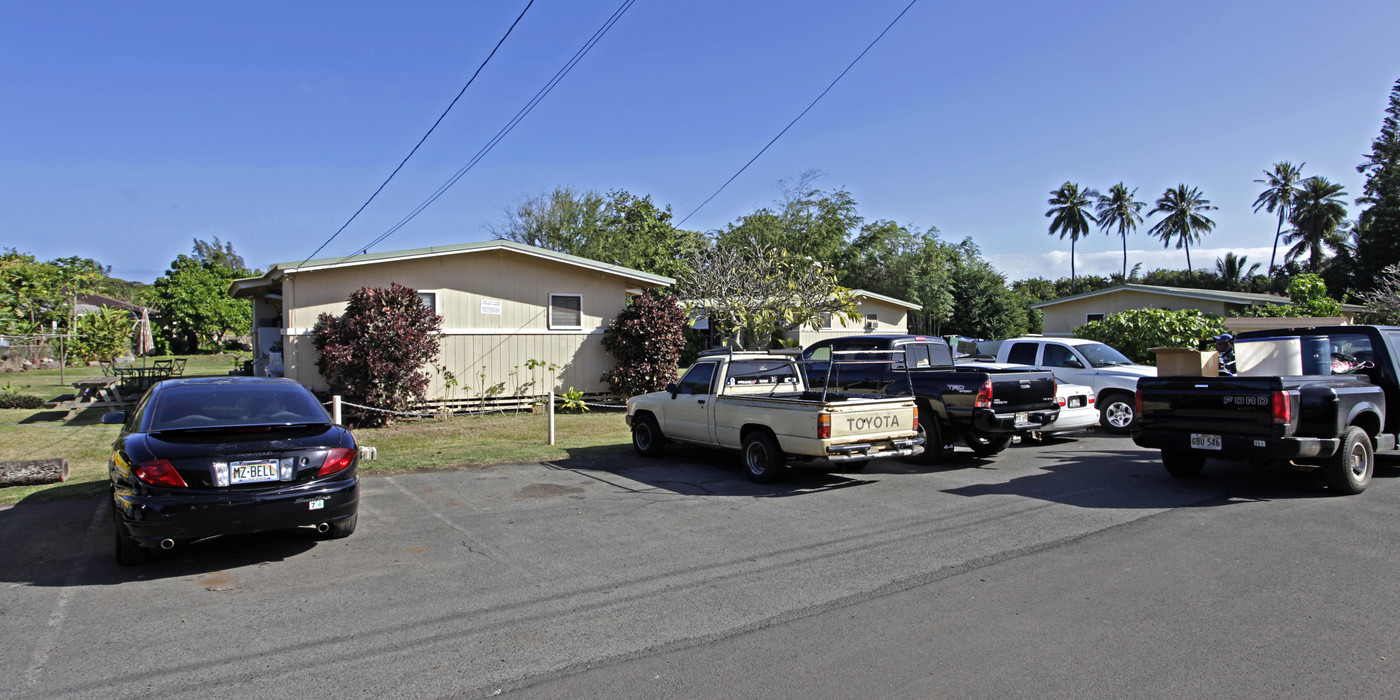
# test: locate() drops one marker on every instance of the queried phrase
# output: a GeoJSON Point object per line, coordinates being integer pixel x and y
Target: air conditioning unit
{"type": "Point", "coordinates": [871, 326]}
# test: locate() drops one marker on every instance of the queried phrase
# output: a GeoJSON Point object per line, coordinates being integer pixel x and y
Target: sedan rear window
{"type": "Point", "coordinates": [199, 406]}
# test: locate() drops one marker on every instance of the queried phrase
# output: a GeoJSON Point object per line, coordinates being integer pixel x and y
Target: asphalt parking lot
{"type": "Point", "coordinates": [1072, 568]}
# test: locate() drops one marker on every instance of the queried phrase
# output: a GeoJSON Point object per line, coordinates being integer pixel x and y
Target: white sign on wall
{"type": "Point", "coordinates": [491, 307]}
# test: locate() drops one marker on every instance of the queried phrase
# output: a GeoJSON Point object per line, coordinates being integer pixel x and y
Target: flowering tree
{"type": "Point", "coordinates": [375, 352]}
{"type": "Point", "coordinates": [646, 338]}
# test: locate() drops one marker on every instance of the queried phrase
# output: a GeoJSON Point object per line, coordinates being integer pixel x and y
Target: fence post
{"type": "Point", "coordinates": [551, 416]}
{"type": "Point", "coordinates": [335, 409]}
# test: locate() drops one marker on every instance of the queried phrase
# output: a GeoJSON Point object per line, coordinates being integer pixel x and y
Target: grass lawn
{"type": "Point", "coordinates": [428, 444]}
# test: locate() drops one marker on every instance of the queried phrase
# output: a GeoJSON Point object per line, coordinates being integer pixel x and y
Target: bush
{"type": "Point", "coordinates": [646, 339]}
{"type": "Point", "coordinates": [1133, 332]}
{"type": "Point", "coordinates": [102, 335]}
{"type": "Point", "coordinates": [9, 398]}
{"type": "Point", "coordinates": [374, 354]}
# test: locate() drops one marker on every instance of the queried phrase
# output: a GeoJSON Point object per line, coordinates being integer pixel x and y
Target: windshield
{"type": "Point", "coordinates": [1100, 355]}
{"type": "Point", "coordinates": [200, 406]}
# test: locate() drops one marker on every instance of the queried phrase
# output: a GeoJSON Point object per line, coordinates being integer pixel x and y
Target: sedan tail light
{"type": "Point", "coordinates": [339, 459]}
{"type": "Point", "coordinates": [160, 472]}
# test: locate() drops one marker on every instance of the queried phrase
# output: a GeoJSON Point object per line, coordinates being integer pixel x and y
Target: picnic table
{"type": "Point", "coordinates": [94, 392]}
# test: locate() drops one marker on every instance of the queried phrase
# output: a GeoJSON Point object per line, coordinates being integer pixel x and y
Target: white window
{"type": "Point", "coordinates": [429, 300]}
{"type": "Point", "coordinates": [566, 311]}
{"type": "Point", "coordinates": [826, 321]}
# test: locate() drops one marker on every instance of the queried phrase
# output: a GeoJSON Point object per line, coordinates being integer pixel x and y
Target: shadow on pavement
{"type": "Point", "coordinates": [69, 542]}
{"type": "Point", "coordinates": [696, 471]}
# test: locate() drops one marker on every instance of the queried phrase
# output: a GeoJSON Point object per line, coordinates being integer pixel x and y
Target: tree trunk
{"type": "Point", "coordinates": [39, 471]}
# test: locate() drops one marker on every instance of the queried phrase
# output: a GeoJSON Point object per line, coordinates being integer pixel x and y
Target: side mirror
{"type": "Point", "coordinates": [671, 389]}
{"type": "Point", "coordinates": [114, 418]}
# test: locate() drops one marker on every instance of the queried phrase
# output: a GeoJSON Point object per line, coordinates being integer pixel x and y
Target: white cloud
{"type": "Point", "coordinates": [1055, 264]}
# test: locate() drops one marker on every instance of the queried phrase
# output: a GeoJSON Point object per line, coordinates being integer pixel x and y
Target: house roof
{"type": "Point", "coordinates": [95, 301]}
{"type": "Point", "coordinates": [1206, 294]}
{"type": "Point", "coordinates": [887, 300]}
{"type": "Point", "coordinates": [244, 287]}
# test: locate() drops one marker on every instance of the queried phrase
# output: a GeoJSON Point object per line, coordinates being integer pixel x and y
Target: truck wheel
{"type": "Point", "coordinates": [987, 446]}
{"type": "Point", "coordinates": [1349, 471]}
{"type": "Point", "coordinates": [762, 458]}
{"type": "Point", "coordinates": [647, 439]}
{"type": "Point", "coordinates": [1116, 413]}
{"type": "Point", "coordinates": [1183, 463]}
{"type": "Point", "coordinates": [932, 433]}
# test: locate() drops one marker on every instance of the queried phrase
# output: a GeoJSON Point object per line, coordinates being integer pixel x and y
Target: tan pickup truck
{"type": "Point", "coordinates": [756, 402]}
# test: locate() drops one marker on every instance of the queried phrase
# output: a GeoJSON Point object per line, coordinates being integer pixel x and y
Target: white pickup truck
{"type": "Point", "coordinates": [756, 402]}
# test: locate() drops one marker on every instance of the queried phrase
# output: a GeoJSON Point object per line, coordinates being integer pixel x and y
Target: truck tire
{"type": "Point", "coordinates": [1183, 463]}
{"type": "Point", "coordinates": [932, 433]}
{"type": "Point", "coordinates": [1349, 471]}
{"type": "Point", "coordinates": [1117, 412]}
{"type": "Point", "coordinates": [762, 458]}
{"type": "Point", "coordinates": [647, 439]}
{"type": "Point", "coordinates": [987, 446]}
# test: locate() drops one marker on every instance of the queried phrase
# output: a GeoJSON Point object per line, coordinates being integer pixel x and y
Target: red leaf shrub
{"type": "Point", "coordinates": [374, 354]}
{"type": "Point", "coordinates": [646, 339]}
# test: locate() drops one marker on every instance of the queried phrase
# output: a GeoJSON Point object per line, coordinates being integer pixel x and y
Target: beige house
{"type": "Point", "coordinates": [1063, 315]}
{"type": "Point", "coordinates": [503, 304]}
{"type": "Point", "coordinates": [877, 314]}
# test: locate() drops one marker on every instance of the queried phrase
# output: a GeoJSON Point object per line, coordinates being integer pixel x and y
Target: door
{"type": "Point", "coordinates": [1066, 364]}
{"type": "Point", "coordinates": [688, 412]}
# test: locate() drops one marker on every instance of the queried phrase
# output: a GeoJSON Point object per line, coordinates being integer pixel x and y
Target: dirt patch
{"type": "Point", "coordinates": [547, 491]}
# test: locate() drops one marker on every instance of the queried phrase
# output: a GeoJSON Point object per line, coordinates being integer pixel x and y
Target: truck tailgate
{"type": "Point", "coordinates": [872, 419]}
{"type": "Point", "coordinates": [1018, 391]}
{"type": "Point", "coordinates": [1234, 405]}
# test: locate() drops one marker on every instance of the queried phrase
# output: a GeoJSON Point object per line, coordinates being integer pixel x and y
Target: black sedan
{"type": "Point", "coordinates": [209, 456]}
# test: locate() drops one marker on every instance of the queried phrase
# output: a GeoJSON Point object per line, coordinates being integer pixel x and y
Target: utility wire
{"type": "Point", "coordinates": [425, 136]}
{"type": "Point", "coordinates": [529, 106]}
{"type": "Point", "coordinates": [799, 116]}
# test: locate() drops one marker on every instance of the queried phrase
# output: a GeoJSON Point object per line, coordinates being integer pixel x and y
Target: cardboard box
{"type": "Point", "coordinates": [1181, 362]}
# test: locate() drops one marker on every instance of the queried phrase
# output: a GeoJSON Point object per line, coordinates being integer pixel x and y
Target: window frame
{"type": "Point", "coordinates": [549, 313]}
{"type": "Point", "coordinates": [437, 299]}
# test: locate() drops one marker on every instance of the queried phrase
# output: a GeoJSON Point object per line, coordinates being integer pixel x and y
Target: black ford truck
{"type": "Point", "coordinates": [985, 407]}
{"type": "Point", "coordinates": [1334, 423]}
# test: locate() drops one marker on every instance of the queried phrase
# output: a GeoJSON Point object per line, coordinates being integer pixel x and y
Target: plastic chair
{"type": "Point", "coordinates": [178, 368]}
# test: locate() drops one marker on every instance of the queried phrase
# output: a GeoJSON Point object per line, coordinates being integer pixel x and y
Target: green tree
{"type": "Point", "coordinates": [985, 306]}
{"type": "Point", "coordinates": [1281, 187]}
{"type": "Point", "coordinates": [634, 233]}
{"type": "Point", "coordinates": [807, 222]}
{"type": "Point", "coordinates": [1318, 212]}
{"type": "Point", "coordinates": [194, 306]}
{"type": "Point", "coordinates": [1378, 242]}
{"type": "Point", "coordinates": [752, 291]}
{"type": "Point", "coordinates": [219, 253]}
{"type": "Point", "coordinates": [1185, 221]}
{"type": "Point", "coordinates": [1119, 208]}
{"type": "Point", "coordinates": [1069, 216]}
{"type": "Point", "coordinates": [1235, 270]}
{"type": "Point", "coordinates": [894, 260]}
{"type": "Point", "coordinates": [1135, 331]}
{"type": "Point", "coordinates": [563, 221]}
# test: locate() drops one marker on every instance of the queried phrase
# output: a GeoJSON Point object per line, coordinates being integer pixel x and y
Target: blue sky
{"type": "Point", "coordinates": [132, 128]}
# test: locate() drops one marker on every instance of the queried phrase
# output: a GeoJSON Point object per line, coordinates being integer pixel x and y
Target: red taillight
{"type": "Point", "coordinates": [1091, 403]}
{"type": "Point", "coordinates": [339, 459]}
{"type": "Point", "coordinates": [984, 396]}
{"type": "Point", "coordinates": [1282, 407]}
{"type": "Point", "coordinates": [824, 426]}
{"type": "Point", "coordinates": [1060, 400]}
{"type": "Point", "coordinates": [160, 472]}
{"type": "Point", "coordinates": [1137, 403]}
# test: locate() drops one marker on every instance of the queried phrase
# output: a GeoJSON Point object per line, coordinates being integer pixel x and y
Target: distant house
{"type": "Point", "coordinates": [503, 304]}
{"type": "Point", "coordinates": [1063, 315]}
{"type": "Point", "coordinates": [877, 313]}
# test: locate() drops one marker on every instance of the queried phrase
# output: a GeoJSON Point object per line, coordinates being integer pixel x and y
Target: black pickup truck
{"type": "Point", "coordinates": [1334, 423]}
{"type": "Point", "coordinates": [985, 407]}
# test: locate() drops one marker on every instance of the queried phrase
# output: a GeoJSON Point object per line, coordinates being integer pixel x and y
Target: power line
{"type": "Point", "coordinates": [425, 136]}
{"type": "Point", "coordinates": [799, 116]}
{"type": "Point", "coordinates": [510, 126]}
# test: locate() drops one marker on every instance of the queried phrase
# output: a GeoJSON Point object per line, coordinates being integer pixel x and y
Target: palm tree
{"type": "Point", "coordinates": [1232, 269]}
{"type": "Point", "coordinates": [1069, 206]}
{"type": "Point", "coordinates": [1318, 217]}
{"type": "Point", "coordinates": [1185, 221]}
{"type": "Point", "coordinates": [1119, 208]}
{"type": "Point", "coordinates": [1280, 191]}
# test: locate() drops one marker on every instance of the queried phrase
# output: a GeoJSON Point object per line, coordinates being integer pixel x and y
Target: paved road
{"type": "Point", "coordinates": [1071, 569]}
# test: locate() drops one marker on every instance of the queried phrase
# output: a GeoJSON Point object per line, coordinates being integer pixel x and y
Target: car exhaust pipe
{"type": "Point", "coordinates": [323, 528]}
{"type": "Point", "coordinates": [167, 544]}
